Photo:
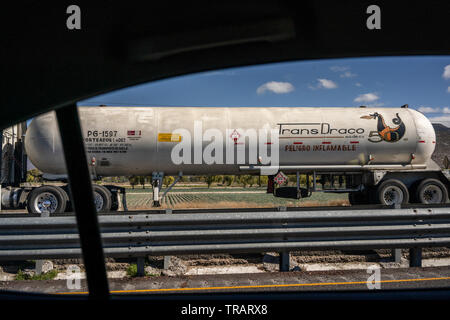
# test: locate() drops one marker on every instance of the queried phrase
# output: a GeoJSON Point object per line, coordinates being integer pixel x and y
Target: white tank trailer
{"type": "Point", "coordinates": [376, 155]}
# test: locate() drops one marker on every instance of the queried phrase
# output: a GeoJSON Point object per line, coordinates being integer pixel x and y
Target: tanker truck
{"type": "Point", "coordinates": [376, 155]}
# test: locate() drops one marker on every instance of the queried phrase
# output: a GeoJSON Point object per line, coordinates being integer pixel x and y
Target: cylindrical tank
{"type": "Point", "coordinates": [142, 140]}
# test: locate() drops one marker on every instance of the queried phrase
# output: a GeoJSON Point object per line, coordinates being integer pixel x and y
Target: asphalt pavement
{"type": "Point", "coordinates": [342, 280]}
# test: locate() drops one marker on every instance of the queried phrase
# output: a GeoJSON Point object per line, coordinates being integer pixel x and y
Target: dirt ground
{"type": "Point", "coordinates": [238, 263]}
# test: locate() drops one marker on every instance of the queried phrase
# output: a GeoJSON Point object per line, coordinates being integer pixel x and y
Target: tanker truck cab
{"type": "Point", "coordinates": [43, 148]}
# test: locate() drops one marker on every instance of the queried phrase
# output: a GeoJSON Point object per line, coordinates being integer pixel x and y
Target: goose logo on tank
{"type": "Point", "coordinates": [385, 132]}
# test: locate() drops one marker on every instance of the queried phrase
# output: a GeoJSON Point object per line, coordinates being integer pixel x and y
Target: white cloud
{"type": "Point", "coordinates": [446, 74]}
{"type": "Point", "coordinates": [445, 110]}
{"type": "Point", "coordinates": [448, 89]}
{"type": "Point", "coordinates": [276, 87]}
{"type": "Point", "coordinates": [348, 74]}
{"type": "Point", "coordinates": [326, 84]}
{"type": "Point", "coordinates": [323, 84]}
{"type": "Point", "coordinates": [358, 84]}
{"type": "Point", "coordinates": [445, 120]}
{"type": "Point", "coordinates": [339, 68]}
{"type": "Point", "coordinates": [429, 109]}
{"type": "Point", "coordinates": [366, 97]}
{"type": "Point", "coordinates": [345, 71]}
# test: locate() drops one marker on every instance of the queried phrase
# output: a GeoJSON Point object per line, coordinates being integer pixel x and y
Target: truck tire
{"type": "Point", "coordinates": [102, 198]}
{"type": "Point", "coordinates": [66, 190]}
{"type": "Point", "coordinates": [431, 191]}
{"type": "Point", "coordinates": [46, 198]}
{"type": "Point", "coordinates": [114, 197]}
{"type": "Point", "coordinates": [392, 192]}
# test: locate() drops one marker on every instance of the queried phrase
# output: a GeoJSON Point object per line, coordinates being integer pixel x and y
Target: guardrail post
{"type": "Point", "coordinates": [166, 262]}
{"type": "Point", "coordinates": [140, 267]}
{"type": "Point", "coordinates": [167, 258]}
{"type": "Point", "coordinates": [397, 255]}
{"type": "Point", "coordinates": [38, 266]}
{"type": "Point", "coordinates": [285, 258]}
{"type": "Point", "coordinates": [415, 257]}
{"type": "Point", "coordinates": [40, 263]}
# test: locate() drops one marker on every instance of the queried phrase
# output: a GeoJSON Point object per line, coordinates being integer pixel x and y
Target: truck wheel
{"type": "Point", "coordinates": [431, 191]}
{"type": "Point", "coordinates": [102, 198]}
{"type": "Point", "coordinates": [114, 198]}
{"type": "Point", "coordinates": [68, 198]}
{"type": "Point", "coordinates": [46, 199]}
{"type": "Point", "coordinates": [391, 192]}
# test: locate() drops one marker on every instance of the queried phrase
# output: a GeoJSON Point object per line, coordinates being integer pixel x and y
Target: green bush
{"type": "Point", "coordinates": [228, 180]}
{"type": "Point", "coordinates": [134, 180]}
{"type": "Point", "coordinates": [168, 180]}
{"type": "Point", "coordinates": [210, 180]}
{"type": "Point", "coordinates": [263, 180]}
{"type": "Point", "coordinates": [132, 271]}
{"type": "Point", "coordinates": [43, 276]}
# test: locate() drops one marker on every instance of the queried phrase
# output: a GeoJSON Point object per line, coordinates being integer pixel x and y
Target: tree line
{"type": "Point", "coordinates": [224, 180]}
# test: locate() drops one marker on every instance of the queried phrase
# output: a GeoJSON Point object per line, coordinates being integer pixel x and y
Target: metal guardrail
{"type": "Point", "coordinates": [238, 232]}
{"type": "Point", "coordinates": [12, 214]}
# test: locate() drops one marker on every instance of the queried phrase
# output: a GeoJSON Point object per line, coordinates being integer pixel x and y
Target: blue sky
{"type": "Point", "coordinates": [421, 82]}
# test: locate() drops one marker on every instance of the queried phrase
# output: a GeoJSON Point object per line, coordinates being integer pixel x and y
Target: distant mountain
{"type": "Point", "coordinates": [440, 127]}
{"type": "Point", "coordinates": [442, 143]}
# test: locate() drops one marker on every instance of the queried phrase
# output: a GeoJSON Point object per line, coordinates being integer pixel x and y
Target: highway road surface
{"type": "Point", "coordinates": [390, 279]}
